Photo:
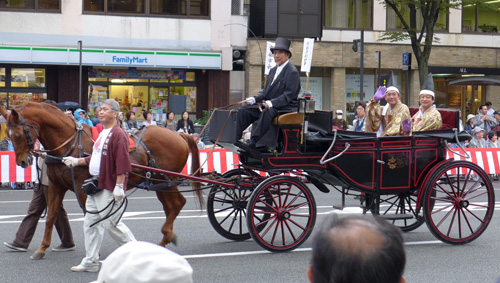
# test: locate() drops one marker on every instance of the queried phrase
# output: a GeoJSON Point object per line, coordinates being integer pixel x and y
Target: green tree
{"type": "Point", "coordinates": [421, 36]}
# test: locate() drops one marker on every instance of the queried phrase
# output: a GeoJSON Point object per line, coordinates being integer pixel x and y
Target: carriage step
{"type": "Point", "coordinates": [396, 216]}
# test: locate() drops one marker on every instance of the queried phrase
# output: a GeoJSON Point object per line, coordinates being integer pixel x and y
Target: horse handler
{"type": "Point", "coordinates": [111, 163]}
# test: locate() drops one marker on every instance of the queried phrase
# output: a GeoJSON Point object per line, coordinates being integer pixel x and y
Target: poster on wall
{"type": "Point", "coordinates": [352, 90]}
{"type": "Point", "coordinates": [315, 87]}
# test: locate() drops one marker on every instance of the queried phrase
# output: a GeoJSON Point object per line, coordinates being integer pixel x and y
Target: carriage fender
{"type": "Point", "coordinates": [318, 184]}
{"type": "Point", "coordinates": [426, 180]}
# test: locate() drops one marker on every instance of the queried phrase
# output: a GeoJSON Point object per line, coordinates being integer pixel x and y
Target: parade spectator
{"type": "Point", "coordinates": [95, 120]}
{"type": "Point", "coordinates": [111, 163]}
{"type": "Point", "coordinates": [469, 126]}
{"type": "Point", "coordinates": [339, 121]}
{"type": "Point", "coordinates": [357, 249]}
{"type": "Point", "coordinates": [492, 140]}
{"type": "Point", "coordinates": [148, 116]}
{"type": "Point", "coordinates": [491, 111]}
{"type": "Point", "coordinates": [170, 123]}
{"type": "Point", "coordinates": [427, 117]}
{"type": "Point", "coordinates": [131, 123]}
{"type": "Point", "coordinates": [81, 116]}
{"type": "Point", "coordinates": [280, 93]}
{"type": "Point", "coordinates": [483, 120]}
{"type": "Point", "coordinates": [477, 140]}
{"type": "Point", "coordinates": [121, 121]}
{"type": "Point", "coordinates": [185, 125]}
{"type": "Point", "coordinates": [144, 262]}
{"type": "Point", "coordinates": [358, 125]}
{"type": "Point", "coordinates": [387, 120]}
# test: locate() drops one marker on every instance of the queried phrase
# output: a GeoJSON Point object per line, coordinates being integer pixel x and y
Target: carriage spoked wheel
{"type": "Point", "coordinates": [226, 207]}
{"type": "Point", "coordinates": [458, 201]}
{"type": "Point", "coordinates": [400, 210]}
{"type": "Point", "coordinates": [281, 213]}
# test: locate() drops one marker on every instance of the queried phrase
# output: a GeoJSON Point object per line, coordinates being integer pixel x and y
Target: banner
{"type": "Point", "coordinates": [269, 58]}
{"type": "Point", "coordinates": [307, 54]}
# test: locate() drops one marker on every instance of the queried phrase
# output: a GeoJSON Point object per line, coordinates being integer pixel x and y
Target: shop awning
{"type": "Point", "coordinates": [475, 81]}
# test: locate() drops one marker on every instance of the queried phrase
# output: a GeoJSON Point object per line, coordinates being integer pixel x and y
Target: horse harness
{"type": "Point", "coordinates": [164, 185]}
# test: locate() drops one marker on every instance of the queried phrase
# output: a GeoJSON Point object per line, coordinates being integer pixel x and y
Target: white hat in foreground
{"type": "Point", "coordinates": [137, 262]}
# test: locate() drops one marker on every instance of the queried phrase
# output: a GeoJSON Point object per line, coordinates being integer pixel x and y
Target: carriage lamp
{"type": "Point", "coordinates": [306, 103]}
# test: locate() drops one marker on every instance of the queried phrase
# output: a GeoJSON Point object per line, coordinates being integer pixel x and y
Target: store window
{"type": "Point", "coordinates": [3, 99]}
{"type": "Point", "coordinates": [195, 8]}
{"type": "Point", "coordinates": [353, 14]}
{"type": "Point", "coordinates": [2, 77]}
{"type": "Point", "coordinates": [38, 5]}
{"type": "Point", "coordinates": [27, 77]}
{"type": "Point", "coordinates": [481, 17]}
{"type": "Point", "coordinates": [394, 23]}
{"type": "Point", "coordinates": [20, 85]}
{"type": "Point", "coordinates": [139, 90]}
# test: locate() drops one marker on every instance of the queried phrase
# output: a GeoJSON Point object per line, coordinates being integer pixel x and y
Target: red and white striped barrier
{"type": "Point", "coordinates": [223, 160]}
{"type": "Point", "coordinates": [10, 172]}
{"type": "Point", "coordinates": [486, 158]}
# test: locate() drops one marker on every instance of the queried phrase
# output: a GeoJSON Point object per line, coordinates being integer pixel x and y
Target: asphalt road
{"type": "Point", "coordinates": [216, 259]}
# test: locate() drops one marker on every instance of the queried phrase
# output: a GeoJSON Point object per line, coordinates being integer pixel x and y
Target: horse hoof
{"type": "Point", "coordinates": [173, 239]}
{"type": "Point", "coordinates": [37, 255]}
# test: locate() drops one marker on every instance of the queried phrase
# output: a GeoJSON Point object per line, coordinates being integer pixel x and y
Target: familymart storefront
{"type": "Point", "coordinates": [155, 80]}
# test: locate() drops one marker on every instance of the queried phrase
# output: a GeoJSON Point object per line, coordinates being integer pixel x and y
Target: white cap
{"type": "Point", "coordinates": [392, 88]}
{"type": "Point", "coordinates": [144, 262]}
{"type": "Point", "coordinates": [470, 116]}
{"type": "Point", "coordinates": [339, 112]}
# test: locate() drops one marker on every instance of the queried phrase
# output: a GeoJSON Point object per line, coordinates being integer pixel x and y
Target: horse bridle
{"type": "Point", "coordinates": [26, 130]}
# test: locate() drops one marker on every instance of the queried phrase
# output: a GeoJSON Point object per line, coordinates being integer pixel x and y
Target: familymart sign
{"type": "Point", "coordinates": [110, 57]}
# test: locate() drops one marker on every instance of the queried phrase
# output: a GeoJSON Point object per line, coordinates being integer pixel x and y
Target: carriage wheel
{"type": "Point", "coordinates": [226, 207]}
{"type": "Point", "coordinates": [281, 213]}
{"type": "Point", "coordinates": [458, 202]}
{"type": "Point", "coordinates": [400, 210]}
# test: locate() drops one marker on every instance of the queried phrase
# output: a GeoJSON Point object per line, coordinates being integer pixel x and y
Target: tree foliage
{"type": "Point", "coordinates": [421, 36]}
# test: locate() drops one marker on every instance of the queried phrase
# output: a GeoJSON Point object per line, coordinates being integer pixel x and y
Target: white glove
{"type": "Point", "coordinates": [118, 192]}
{"type": "Point", "coordinates": [250, 100]}
{"type": "Point", "coordinates": [70, 161]}
{"type": "Point", "coordinates": [269, 104]}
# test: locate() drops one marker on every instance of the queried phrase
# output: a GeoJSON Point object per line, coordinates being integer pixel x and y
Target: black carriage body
{"type": "Point", "coordinates": [386, 165]}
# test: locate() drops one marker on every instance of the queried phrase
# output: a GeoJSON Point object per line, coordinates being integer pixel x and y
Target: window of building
{"type": "Point", "coordinates": [355, 14]}
{"type": "Point", "coordinates": [20, 85]}
{"type": "Point", "coordinates": [2, 77]}
{"type": "Point", "coordinates": [194, 8]}
{"type": "Point", "coordinates": [484, 17]}
{"type": "Point", "coordinates": [38, 5]}
{"type": "Point", "coordinates": [139, 90]}
{"type": "Point", "coordinates": [394, 23]}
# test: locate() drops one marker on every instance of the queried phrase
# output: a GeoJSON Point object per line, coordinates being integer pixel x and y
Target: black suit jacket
{"type": "Point", "coordinates": [284, 91]}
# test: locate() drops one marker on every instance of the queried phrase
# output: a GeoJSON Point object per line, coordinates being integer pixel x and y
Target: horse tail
{"type": "Point", "coordinates": [195, 165]}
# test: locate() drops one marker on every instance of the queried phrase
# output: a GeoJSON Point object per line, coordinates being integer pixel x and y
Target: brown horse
{"type": "Point", "coordinates": [60, 137]}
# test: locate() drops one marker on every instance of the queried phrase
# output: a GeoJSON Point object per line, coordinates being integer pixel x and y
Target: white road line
{"type": "Point", "coordinates": [296, 250]}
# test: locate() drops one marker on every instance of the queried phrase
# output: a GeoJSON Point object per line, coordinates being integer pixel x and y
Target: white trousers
{"type": "Point", "coordinates": [94, 235]}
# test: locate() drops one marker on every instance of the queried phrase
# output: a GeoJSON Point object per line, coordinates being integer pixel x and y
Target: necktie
{"type": "Point", "coordinates": [278, 70]}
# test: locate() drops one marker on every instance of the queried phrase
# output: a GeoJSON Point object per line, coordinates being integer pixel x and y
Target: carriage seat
{"type": "Point", "coordinates": [450, 117]}
{"type": "Point", "coordinates": [290, 118]}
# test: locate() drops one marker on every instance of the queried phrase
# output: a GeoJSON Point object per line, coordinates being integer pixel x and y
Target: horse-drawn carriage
{"type": "Point", "coordinates": [407, 180]}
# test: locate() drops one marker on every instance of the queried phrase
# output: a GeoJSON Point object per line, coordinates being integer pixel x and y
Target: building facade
{"type": "Point", "coordinates": [147, 54]}
{"type": "Point", "coordinates": [468, 47]}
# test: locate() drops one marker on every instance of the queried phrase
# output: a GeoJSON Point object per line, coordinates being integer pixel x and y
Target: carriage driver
{"type": "Point", "coordinates": [280, 93]}
{"type": "Point", "coordinates": [111, 162]}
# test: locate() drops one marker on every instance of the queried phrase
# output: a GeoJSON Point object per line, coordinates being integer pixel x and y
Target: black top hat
{"type": "Point", "coordinates": [282, 44]}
